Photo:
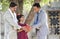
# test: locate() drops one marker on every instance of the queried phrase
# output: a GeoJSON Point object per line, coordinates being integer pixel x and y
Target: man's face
{"type": "Point", "coordinates": [14, 8]}
{"type": "Point", "coordinates": [36, 9]}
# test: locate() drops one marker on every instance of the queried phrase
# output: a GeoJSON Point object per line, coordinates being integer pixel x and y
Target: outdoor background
{"type": "Point", "coordinates": [52, 8]}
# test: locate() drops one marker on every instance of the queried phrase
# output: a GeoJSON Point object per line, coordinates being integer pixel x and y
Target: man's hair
{"type": "Point", "coordinates": [37, 5]}
{"type": "Point", "coordinates": [12, 4]}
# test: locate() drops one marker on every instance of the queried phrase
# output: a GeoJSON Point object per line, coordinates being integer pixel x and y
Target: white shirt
{"type": "Point", "coordinates": [14, 16]}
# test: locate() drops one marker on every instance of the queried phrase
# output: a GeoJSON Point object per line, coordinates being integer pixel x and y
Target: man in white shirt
{"type": "Point", "coordinates": [10, 22]}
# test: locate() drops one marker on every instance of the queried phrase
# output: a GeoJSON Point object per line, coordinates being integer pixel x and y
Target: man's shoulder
{"type": "Point", "coordinates": [42, 13]}
{"type": "Point", "coordinates": [7, 13]}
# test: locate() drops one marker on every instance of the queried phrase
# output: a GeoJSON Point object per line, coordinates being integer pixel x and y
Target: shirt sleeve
{"type": "Point", "coordinates": [42, 20]}
{"type": "Point", "coordinates": [11, 22]}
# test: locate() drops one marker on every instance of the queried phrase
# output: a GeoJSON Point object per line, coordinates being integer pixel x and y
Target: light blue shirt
{"type": "Point", "coordinates": [36, 21]}
{"type": "Point", "coordinates": [42, 18]}
{"type": "Point", "coordinates": [41, 22]}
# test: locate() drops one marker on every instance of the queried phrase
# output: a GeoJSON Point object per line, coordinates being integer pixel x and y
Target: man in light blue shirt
{"type": "Point", "coordinates": [40, 22]}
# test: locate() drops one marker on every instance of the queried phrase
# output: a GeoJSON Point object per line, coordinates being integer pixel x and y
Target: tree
{"type": "Point", "coordinates": [37, 1]}
{"type": "Point", "coordinates": [20, 2]}
{"type": "Point", "coordinates": [31, 13]}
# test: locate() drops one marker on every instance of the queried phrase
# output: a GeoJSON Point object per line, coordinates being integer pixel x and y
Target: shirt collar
{"type": "Point", "coordinates": [40, 10]}
{"type": "Point", "coordinates": [11, 12]}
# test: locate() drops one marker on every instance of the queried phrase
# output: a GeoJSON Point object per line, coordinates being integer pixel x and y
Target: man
{"type": "Point", "coordinates": [40, 22]}
{"type": "Point", "coordinates": [10, 22]}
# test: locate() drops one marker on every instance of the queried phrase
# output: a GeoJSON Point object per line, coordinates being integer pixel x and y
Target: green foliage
{"type": "Point", "coordinates": [28, 1]}
{"type": "Point", "coordinates": [43, 2]}
{"type": "Point", "coordinates": [0, 5]}
{"type": "Point", "coordinates": [27, 5]}
{"type": "Point", "coordinates": [46, 2]}
{"type": "Point", "coordinates": [5, 4]}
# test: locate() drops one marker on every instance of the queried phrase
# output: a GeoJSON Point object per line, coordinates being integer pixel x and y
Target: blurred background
{"type": "Point", "coordinates": [52, 8]}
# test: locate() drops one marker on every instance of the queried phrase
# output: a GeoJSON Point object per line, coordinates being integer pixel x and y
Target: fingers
{"type": "Point", "coordinates": [19, 30]}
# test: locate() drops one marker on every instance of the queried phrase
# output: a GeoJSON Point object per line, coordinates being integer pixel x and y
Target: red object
{"type": "Point", "coordinates": [27, 28]}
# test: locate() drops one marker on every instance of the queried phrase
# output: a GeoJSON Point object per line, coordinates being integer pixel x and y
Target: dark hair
{"type": "Point", "coordinates": [18, 17]}
{"type": "Point", "coordinates": [37, 5]}
{"type": "Point", "coordinates": [12, 4]}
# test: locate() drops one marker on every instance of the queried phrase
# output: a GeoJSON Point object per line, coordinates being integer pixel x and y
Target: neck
{"type": "Point", "coordinates": [21, 22]}
{"type": "Point", "coordinates": [39, 9]}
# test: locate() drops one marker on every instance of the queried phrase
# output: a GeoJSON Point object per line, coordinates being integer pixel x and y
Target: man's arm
{"type": "Point", "coordinates": [42, 20]}
{"type": "Point", "coordinates": [11, 22]}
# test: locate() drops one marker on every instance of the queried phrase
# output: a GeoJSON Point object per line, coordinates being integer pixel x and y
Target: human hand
{"type": "Point", "coordinates": [19, 30]}
{"type": "Point", "coordinates": [26, 28]}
